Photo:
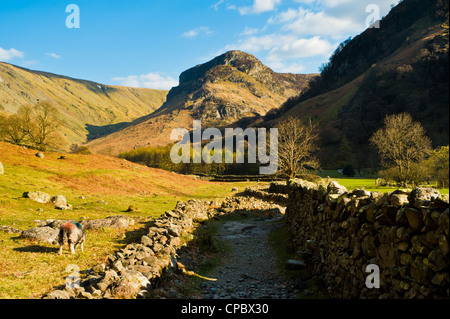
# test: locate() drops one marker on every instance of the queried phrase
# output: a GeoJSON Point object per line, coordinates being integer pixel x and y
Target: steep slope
{"type": "Point", "coordinates": [228, 88]}
{"type": "Point", "coordinates": [400, 67]}
{"type": "Point", "coordinates": [89, 109]}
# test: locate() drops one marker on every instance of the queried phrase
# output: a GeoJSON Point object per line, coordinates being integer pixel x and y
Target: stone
{"type": "Point", "coordinates": [100, 268]}
{"type": "Point", "coordinates": [335, 188]}
{"type": "Point", "coordinates": [2, 169]}
{"type": "Point", "coordinates": [398, 199]}
{"type": "Point", "coordinates": [129, 285]}
{"type": "Point", "coordinates": [39, 154]}
{"type": "Point", "coordinates": [118, 222]}
{"type": "Point", "coordinates": [38, 196]}
{"type": "Point", "coordinates": [43, 234]}
{"type": "Point", "coordinates": [60, 202]}
{"type": "Point", "coordinates": [58, 294]}
{"type": "Point", "coordinates": [415, 218]}
{"type": "Point", "coordinates": [10, 230]}
{"type": "Point", "coordinates": [420, 194]}
{"type": "Point", "coordinates": [293, 264]}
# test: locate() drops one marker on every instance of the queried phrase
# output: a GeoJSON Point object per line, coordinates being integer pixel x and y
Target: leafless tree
{"type": "Point", "coordinates": [402, 144]}
{"type": "Point", "coordinates": [296, 146]}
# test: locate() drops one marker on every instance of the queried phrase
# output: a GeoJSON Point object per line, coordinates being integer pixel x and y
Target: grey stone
{"type": "Point", "coordinates": [38, 196]}
{"type": "Point", "coordinates": [43, 234]}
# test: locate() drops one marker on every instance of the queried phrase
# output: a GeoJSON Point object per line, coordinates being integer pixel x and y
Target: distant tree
{"type": "Point", "coordinates": [33, 125]}
{"type": "Point", "coordinates": [401, 144]}
{"type": "Point", "coordinates": [349, 171]}
{"type": "Point", "coordinates": [296, 146]}
{"type": "Point", "coordinates": [437, 166]}
{"type": "Point", "coordinates": [45, 124]}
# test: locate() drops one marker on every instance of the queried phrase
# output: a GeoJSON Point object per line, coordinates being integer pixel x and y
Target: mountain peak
{"type": "Point", "coordinates": [242, 61]}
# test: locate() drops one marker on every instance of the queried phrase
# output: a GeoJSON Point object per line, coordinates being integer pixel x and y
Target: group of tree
{"type": "Point", "coordinates": [35, 125]}
{"type": "Point", "coordinates": [406, 152]}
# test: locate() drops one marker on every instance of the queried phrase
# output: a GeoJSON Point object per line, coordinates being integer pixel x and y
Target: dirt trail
{"type": "Point", "coordinates": [250, 271]}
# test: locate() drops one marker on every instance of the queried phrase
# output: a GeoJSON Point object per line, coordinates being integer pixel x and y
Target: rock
{"type": "Point", "coordinates": [43, 234]}
{"type": "Point", "coordinates": [2, 169]}
{"type": "Point", "coordinates": [420, 194]}
{"type": "Point", "coordinates": [415, 218]}
{"type": "Point", "coordinates": [234, 189]}
{"type": "Point", "coordinates": [61, 202]}
{"type": "Point", "coordinates": [335, 188]}
{"type": "Point", "coordinates": [293, 264]}
{"type": "Point", "coordinates": [398, 199]}
{"type": "Point", "coordinates": [119, 222]}
{"type": "Point", "coordinates": [58, 294]}
{"type": "Point", "coordinates": [360, 193]}
{"type": "Point", "coordinates": [100, 268]}
{"type": "Point", "coordinates": [9, 230]}
{"type": "Point", "coordinates": [39, 154]}
{"type": "Point", "coordinates": [131, 209]}
{"type": "Point", "coordinates": [130, 285]}
{"type": "Point", "coordinates": [38, 196]}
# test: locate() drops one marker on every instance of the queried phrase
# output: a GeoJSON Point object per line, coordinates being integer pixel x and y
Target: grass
{"type": "Point", "coordinates": [367, 183]}
{"type": "Point", "coordinates": [97, 187]}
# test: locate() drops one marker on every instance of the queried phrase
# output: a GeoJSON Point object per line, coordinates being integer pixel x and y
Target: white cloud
{"type": "Point", "coordinates": [7, 55]}
{"type": "Point", "coordinates": [150, 80]}
{"type": "Point", "coordinates": [195, 32]}
{"type": "Point", "coordinates": [53, 55]}
{"type": "Point", "coordinates": [249, 31]}
{"type": "Point", "coordinates": [259, 6]}
{"type": "Point", "coordinates": [308, 23]}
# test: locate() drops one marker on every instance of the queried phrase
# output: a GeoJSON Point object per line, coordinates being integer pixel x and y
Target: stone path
{"type": "Point", "coordinates": [251, 269]}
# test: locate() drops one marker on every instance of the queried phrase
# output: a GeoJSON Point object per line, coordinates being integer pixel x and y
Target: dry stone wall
{"type": "Point", "coordinates": [134, 270]}
{"type": "Point", "coordinates": [339, 233]}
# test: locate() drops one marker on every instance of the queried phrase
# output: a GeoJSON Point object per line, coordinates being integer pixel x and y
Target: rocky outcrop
{"type": "Point", "coordinates": [405, 233]}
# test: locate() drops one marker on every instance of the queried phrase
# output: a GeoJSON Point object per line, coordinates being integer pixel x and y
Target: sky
{"type": "Point", "coordinates": [148, 43]}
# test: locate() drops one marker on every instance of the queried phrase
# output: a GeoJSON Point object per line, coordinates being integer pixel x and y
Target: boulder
{"type": "Point", "coordinates": [420, 194]}
{"type": "Point", "coordinates": [39, 154]}
{"type": "Point", "coordinates": [398, 199]}
{"type": "Point", "coordinates": [43, 234]}
{"type": "Point", "coordinates": [335, 188]}
{"type": "Point", "coordinates": [61, 202]}
{"type": "Point", "coordinates": [38, 196]}
{"type": "Point", "coordinates": [130, 284]}
{"type": "Point", "coordinates": [118, 222]}
{"type": "Point", "coordinates": [2, 169]}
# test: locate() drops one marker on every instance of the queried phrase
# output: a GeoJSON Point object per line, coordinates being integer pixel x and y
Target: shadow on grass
{"type": "Point", "coordinates": [37, 249]}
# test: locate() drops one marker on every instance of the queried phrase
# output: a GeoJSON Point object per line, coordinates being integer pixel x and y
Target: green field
{"type": "Point", "coordinates": [367, 183]}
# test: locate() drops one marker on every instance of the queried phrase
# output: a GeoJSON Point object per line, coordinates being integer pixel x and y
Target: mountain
{"type": "Point", "coordinates": [400, 67]}
{"type": "Point", "coordinates": [230, 87]}
{"type": "Point", "coordinates": [89, 109]}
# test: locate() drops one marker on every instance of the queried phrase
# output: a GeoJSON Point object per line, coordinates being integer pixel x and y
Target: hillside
{"type": "Point", "coordinates": [400, 67]}
{"type": "Point", "coordinates": [231, 87]}
{"type": "Point", "coordinates": [89, 109]}
{"type": "Point", "coordinates": [97, 186]}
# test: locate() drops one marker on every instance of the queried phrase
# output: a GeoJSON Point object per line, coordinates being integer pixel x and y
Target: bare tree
{"type": "Point", "coordinates": [297, 143]}
{"type": "Point", "coordinates": [45, 125]}
{"type": "Point", "coordinates": [401, 144]}
{"type": "Point", "coordinates": [34, 125]}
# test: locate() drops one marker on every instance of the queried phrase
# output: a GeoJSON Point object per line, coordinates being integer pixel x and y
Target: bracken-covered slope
{"type": "Point", "coordinates": [232, 86]}
{"type": "Point", "coordinates": [89, 109]}
{"type": "Point", "coordinates": [400, 67]}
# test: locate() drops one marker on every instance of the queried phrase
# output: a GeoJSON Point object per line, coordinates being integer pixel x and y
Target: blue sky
{"type": "Point", "coordinates": [148, 43]}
